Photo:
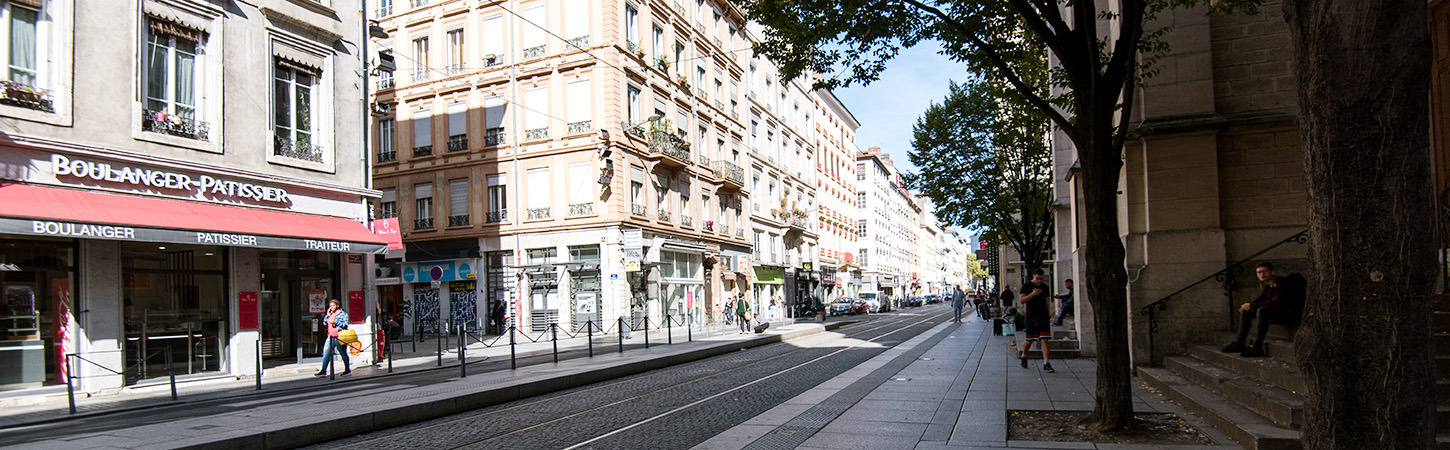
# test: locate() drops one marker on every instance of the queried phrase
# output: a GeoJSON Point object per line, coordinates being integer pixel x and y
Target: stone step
{"type": "Point", "coordinates": [1269, 370]}
{"type": "Point", "coordinates": [1252, 431]}
{"type": "Point", "coordinates": [1441, 340]}
{"type": "Point", "coordinates": [1442, 417]}
{"type": "Point", "coordinates": [1284, 408]}
{"type": "Point", "coordinates": [1442, 391]}
{"type": "Point", "coordinates": [1280, 348]}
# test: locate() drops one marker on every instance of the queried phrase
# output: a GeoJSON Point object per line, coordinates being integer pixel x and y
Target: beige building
{"type": "Point", "coordinates": [835, 135]}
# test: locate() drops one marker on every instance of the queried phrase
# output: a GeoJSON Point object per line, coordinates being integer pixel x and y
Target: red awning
{"type": "Point", "coordinates": [84, 207]}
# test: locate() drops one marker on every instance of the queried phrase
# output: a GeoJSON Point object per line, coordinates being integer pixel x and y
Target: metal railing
{"type": "Point", "coordinates": [423, 224]}
{"type": "Point", "coordinates": [724, 229]}
{"type": "Point", "coordinates": [420, 75]}
{"type": "Point", "coordinates": [739, 232]}
{"type": "Point", "coordinates": [580, 126]}
{"type": "Point", "coordinates": [387, 156]}
{"type": "Point", "coordinates": [71, 373]}
{"type": "Point", "coordinates": [538, 213]}
{"type": "Point", "coordinates": [687, 220]}
{"type": "Point", "coordinates": [305, 151]}
{"type": "Point", "coordinates": [495, 216]}
{"type": "Point", "coordinates": [704, 160]}
{"type": "Point", "coordinates": [26, 96]}
{"type": "Point", "coordinates": [535, 51]}
{"type": "Point", "coordinates": [631, 46]}
{"type": "Point", "coordinates": [458, 143]}
{"type": "Point", "coordinates": [730, 172]}
{"type": "Point", "coordinates": [638, 209]}
{"type": "Point", "coordinates": [1224, 276]}
{"type": "Point", "coordinates": [581, 209]}
{"type": "Point", "coordinates": [458, 220]}
{"type": "Point", "coordinates": [385, 11]}
{"type": "Point", "coordinates": [418, 3]}
{"type": "Point", "coordinates": [537, 133]}
{"type": "Point", "coordinates": [454, 69]}
{"type": "Point", "coordinates": [422, 150]}
{"type": "Point", "coordinates": [493, 138]}
{"type": "Point", "coordinates": [708, 226]}
{"type": "Point", "coordinates": [385, 83]}
{"type": "Point", "coordinates": [579, 42]}
{"type": "Point", "coordinates": [664, 216]}
{"type": "Point", "coordinates": [174, 125]}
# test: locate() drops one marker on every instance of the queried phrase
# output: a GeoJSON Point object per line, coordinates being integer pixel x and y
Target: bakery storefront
{"type": "Point", "coordinates": [110, 263]}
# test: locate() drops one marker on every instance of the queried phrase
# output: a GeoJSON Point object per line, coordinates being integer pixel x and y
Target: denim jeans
{"type": "Point", "coordinates": [957, 311]}
{"type": "Point", "coordinates": [333, 345]}
{"type": "Point", "coordinates": [744, 324]}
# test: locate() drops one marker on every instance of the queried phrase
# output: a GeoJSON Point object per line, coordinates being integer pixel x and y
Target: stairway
{"type": "Point", "coordinates": [1255, 401]}
{"type": "Point", "coordinates": [1064, 342]}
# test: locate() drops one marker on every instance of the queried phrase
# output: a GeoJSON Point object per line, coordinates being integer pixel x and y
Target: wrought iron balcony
{"type": "Point", "coordinates": [674, 150]}
{"type": "Point", "coordinates": [387, 156]}
{"type": "Point", "coordinates": [535, 52]}
{"type": "Point", "coordinates": [725, 229]}
{"type": "Point", "coordinates": [708, 226]}
{"type": "Point", "coordinates": [385, 11]}
{"type": "Point", "coordinates": [422, 150]}
{"type": "Point", "coordinates": [538, 213]}
{"type": "Point", "coordinates": [637, 209]}
{"type": "Point", "coordinates": [26, 96]}
{"type": "Point", "coordinates": [423, 224]}
{"type": "Point", "coordinates": [731, 174]}
{"type": "Point", "coordinates": [740, 232]}
{"type": "Point", "coordinates": [458, 220]}
{"type": "Point", "coordinates": [719, 105]}
{"type": "Point", "coordinates": [305, 151]}
{"type": "Point", "coordinates": [631, 46]}
{"type": "Point", "coordinates": [580, 126]}
{"type": "Point", "coordinates": [798, 223]}
{"type": "Point", "coordinates": [385, 83]}
{"type": "Point", "coordinates": [581, 209]}
{"type": "Point", "coordinates": [161, 122]}
{"type": "Point", "coordinates": [420, 75]}
{"type": "Point", "coordinates": [454, 69]}
{"type": "Point", "coordinates": [537, 133]}
{"type": "Point", "coordinates": [700, 92]}
{"type": "Point", "coordinates": [458, 143]}
{"type": "Point", "coordinates": [496, 216]}
{"type": "Point", "coordinates": [494, 137]}
{"type": "Point", "coordinates": [419, 3]}
{"type": "Point", "coordinates": [579, 42]}
{"type": "Point", "coordinates": [704, 160]}
{"type": "Point", "coordinates": [687, 220]}
{"type": "Point", "coordinates": [664, 216]}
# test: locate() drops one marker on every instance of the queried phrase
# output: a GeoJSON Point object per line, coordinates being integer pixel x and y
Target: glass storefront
{"type": "Point", "coordinates": [174, 298]}
{"type": "Point", "coordinates": [296, 286]}
{"type": "Point", "coordinates": [682, 285]}
{"type": "Point", "coordinates": [499, 318]}
{"type": "Point", "coordinates": [37, 281]}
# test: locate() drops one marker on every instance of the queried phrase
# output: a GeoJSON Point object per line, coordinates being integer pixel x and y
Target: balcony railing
{"type": "Point", "coordinates": [581, 209]}
{"type": "Point", "coordinates": [495, 216]}
{"type": "Point", "coordinates": [687, 221]}
{"type": "Point", "coordinates": [580, 126]}
{"type": "Point", "coordinates": [537, 133]}
{"type": "Point", "coordinates": [719, 105]}
{"type": "Point", "coordinates": [700, 92]}
{"type": "Point", "coordinates": [730, 172]}
{"type": "Point", "coordinates": [579, 42]}
{"type": "Point", "coordinates": [423, 224]}
{"type": "Point", "coordinates": [387, 156]}
{"type": "Point", "coordinates": [26, 96]}
{"type": "Point", "coordinates": [637, 209]}
{"type": "Point", "coordinates": [734, 115]}
{"type": "Point", "coordinates": [458, 220]}
{"type": "Point", "coordinates": [725, 229]}
{"type": "Point", "coordinates": [708, 226]}
{"type": "Point", "coordinates": [535, 52]}
{"type": "Point", "coordinates": [664, 216]}
{"type": "Point", "coordinates": [385, 11]}
{"type": "Point", "coordinates": [420, 75]}
{"type": "Point", "coordinates": [538, 213]}
{"type": "Point", "coordinates": [418, 3]}
{"type": "Point", "coordinates": [422, 150]}
{"type": "Point", "coordinates": [631, 46]}
{"type": "Point", "coordinates": [704, 160]}
{"type": "Point", "coordinates": [494, 137]}
{"type": "Point", "coordinates": [454, 69]}
{"type": "Point", "coordinates": [385, 83]}
{"type": "Point", "coordinates": [305, 151]}
{"type": "Point", "coordinates": [740, 232]}
{"type": "Point", "coordinates": [458, 143]}
{"type": "Point", "coordinates": [670, 145]}
{"type": "Point", "coordinates": [161, 122]}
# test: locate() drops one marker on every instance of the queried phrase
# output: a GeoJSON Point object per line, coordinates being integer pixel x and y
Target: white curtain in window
{"type": "Point", "coordinates": [580, 190]}
{"type": "Point", "coordinates": [576, 18]}
{"type": "Point", "coordinates": [537, 102]}
{"type": "Point", "coordinates": [422, 128]}
{"type": "Point", "coordinates": [458, 197]}
{"type": "Point", "coordinates": [493, 108]}
{"type": "Point", "coordinates": [533, 26]}
{"type": "Point", "coordinates": [22, 45]}
{"type": "Point", "coordinates": [186, 83]}
{"type": "Point", "coordinates": [493, 40]}
{"type": "Point", "coordinates": [580, 104]}
{"type": "Point", "coordinates": [633, 98]}
{"type": "Point", "coordinates": [538, 180]}
{"type": "Point", "coordinates": [457, 118]}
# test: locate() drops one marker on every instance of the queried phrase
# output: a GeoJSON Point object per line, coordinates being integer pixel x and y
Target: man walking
{"type": "Point", "coordinates": [958, 298]}
{"type": "Point", "coordinates": [1039, 327]}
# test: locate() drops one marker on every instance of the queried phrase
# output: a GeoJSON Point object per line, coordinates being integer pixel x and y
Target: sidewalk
{"type": "Point", "coordinates": [948, 388]}
{"type": "Point", "coordinates": [51, 404]}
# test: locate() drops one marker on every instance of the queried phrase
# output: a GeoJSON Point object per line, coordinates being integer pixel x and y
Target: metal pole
{"type": "Point", "coordinates": [171, 373]}
{"type": "Point", "coordinates": [669, 335]}
{"type": "Point", "coordinates": [689, 334]}
{"type": "Point", "coordinates": [513, 355]}
{"type": "Point", "coordinates": [646, 331]}
{"type": "Point", "coordinates": [327, 359]}
{"type": "Point", "coordinates": [590, 324]}
{"type": "Point", "coordinates": [70, 391]}
{"type": "Point", "coordinates": [390, 356]}
{"type": "Point", "coordinates": [621, 335]}
{"type": "Point", "coordinates": [462, 358]}
{"type": "Point", "coordinates": [437, 324]}
{"type": "Point", "coordinates": [259, 363]}
{"type": "Point", "coordinates": [554, 331]}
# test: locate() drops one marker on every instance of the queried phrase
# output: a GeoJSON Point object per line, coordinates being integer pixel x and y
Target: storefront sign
{"type": "Point", "coordinates": [388, 229]}
{"type": "Point", "coordinates": [448, 270]}
{"type": "Point", "coordinates": [633, 249]}
{"type": "Point", "coordinates": [356, 307]}
{"type": "Point", "coordinates": [316, 302]}
{"type": "Point", "coordinates": [141, 234]}
{"type": "Point", "coordinates": [354, 259]}
{"type": "Point", "coordinates": [64, 166]}
{"type": "Point", "coordinates": [247, 312]}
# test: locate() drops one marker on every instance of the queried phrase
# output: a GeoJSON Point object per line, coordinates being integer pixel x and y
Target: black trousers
{"type": "Point", "coordinates": [1263, 317]}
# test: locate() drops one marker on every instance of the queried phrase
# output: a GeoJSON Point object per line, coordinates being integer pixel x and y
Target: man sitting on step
{"type": "Point", "coordinates": [1281, 302]}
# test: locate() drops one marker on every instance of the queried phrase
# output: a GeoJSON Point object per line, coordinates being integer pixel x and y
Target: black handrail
{"type": "Point", "coordinates": [1224, 276]}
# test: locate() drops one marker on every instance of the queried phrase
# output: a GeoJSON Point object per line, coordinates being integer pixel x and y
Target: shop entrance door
{"type": "Point", "coordinates": [293, 305]}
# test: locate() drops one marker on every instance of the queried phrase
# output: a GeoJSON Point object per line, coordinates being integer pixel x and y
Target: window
{"type": "Point", "coordinates": [680, 57]}
{"type": "Point", "coordinates": [24, 46]}
{"type": "Point", "coordinates": [860, 172]}
{"type": "Point", "coordinates": [455, 51]}
{"type": "Point", "coordinates": [659, 40]}
{"type": "Point", "coordinates": [632, 94]}
{"type": "Point", "coordinates": [636, 190]}
{"type": "Point", "coordinates": [420, 59]}
{"type": "Point", "coordinates": [861, 199]}
{"type": "Point", "coordinates": [458, 202]}
{"type": "Point", "coordinates": [457, 126]}
{"type": "Point", "coordinates": [422, 132]}
{"type": "Point", "coordinates": [580, 107]}
{"type": "Point", "coordinates": [388, 207]}
{"type": "Point", "coordinates": [493, 129]}
{"type": "Point", "coordinates": [662, 196]}
{"type": "Point", "coordinates": [581, 191]}
{"type": "Point", "coordinates": [631, 22]}
{"type": "Point", "coordinates": [861, 227]}
{"type": "Point", "coordinates": [497, 199]}
{"type": "Point", "coordinates": [545, 255]}
{"type": "Point", "coordinates": [539, 193]}
{"type": "Point", "coordinates": [387, 140]}
{"type": "Point", "coordinates": [536, 118]}
{"type": "Point", "coordinates": [423, 197]}
{"type": "Point", "coordinates": [576, 22]}
{"type": "Point", "coordinates": [493, 41]}
{"type": "Point", "coordinates": [172, 81]}
{"type": "Point", "coordinates": [685, 210]}
{"type": "Point", "coordinates": [584, 252]}
{"type": "Point", "coordinates": [385, 77]}
{"type": "Point", "coordinates": [533, 26]}
{"type": "Point", "coordinates": [292, 104]}
{"type": "Point", "coordinates": [757, 249]}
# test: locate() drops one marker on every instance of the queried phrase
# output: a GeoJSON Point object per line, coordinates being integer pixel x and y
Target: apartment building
{"type": "Point", "coordinates": [887, 223]}
{"type": "Point", "coordinates": [836, 186]}
{"type": "Point", "coordinates": [564, 161]}
{"type": "Point", "coordinates": [139, 226]}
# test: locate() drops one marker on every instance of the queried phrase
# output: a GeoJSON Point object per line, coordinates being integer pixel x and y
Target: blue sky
{"type": "Point", "coordinates": [889, 107]}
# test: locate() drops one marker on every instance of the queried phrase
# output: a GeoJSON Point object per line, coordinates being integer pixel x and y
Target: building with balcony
{"type": "Point", "coordinates": [887, 220]}
{"type": "Point", "coordinates": [166, 233]}
{"type": "Point", "coordinates": [834, 133]}
{"type": "Point", "coordinates": [594, 165]}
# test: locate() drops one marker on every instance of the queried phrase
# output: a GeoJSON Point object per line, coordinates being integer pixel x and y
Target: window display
{"type": "Point", "coordinates": [174, 299]}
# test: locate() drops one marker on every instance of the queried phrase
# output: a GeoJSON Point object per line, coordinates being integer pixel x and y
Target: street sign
{"type": "Point", "coordinates": [436, 272]}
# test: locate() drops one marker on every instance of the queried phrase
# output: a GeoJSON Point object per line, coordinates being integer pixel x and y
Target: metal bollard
{"type": "Point", "coordinates": [646, 331]}
{"type": "Point", "coordinates": [513, 356]}
{"type": "Point", "coordinates": [689, 329]}
{"type": "Point", "coordinates": [259, 364]}
{"type": "Point", "coordinates": [439, 340]}
{"type": "Point", "coordinates": [554, 331]}
{"type": "Point", "coordinates": [463, 358]}
{"type": "Point", "coordinates": [590, 324]}
{"type": "Point", "coordinates": [171, 373]}
{"type": "Point", "coordinates": [621, 335]}
{"type": "Point", "coordinates": [669, 335]}
{"type": "Point", "coordinates": [389, 349]}
{"type": "Point", "coordinates": [70, 391]}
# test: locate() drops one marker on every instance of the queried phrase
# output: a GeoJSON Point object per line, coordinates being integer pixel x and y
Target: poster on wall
{"type": "Point", "coordinates": [356, 307]}
{"type": "Point", "coordinates": [316, 301]}
{"type": "Point", "coordinates": [247, 312]}
{"type": "Point", "coordinates": [20, 297]}
{"type": "Point", "coordinates": [64, 345]}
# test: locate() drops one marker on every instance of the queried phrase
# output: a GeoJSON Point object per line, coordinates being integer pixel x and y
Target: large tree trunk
{"type": "Point", "coordinates": [1365, 344]}
{"type": "Point", "coordinates": [1106, 281]}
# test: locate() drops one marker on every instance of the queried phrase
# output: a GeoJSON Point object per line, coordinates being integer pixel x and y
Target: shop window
{"type": "Point", "coordinates": [37, 282]}
{"type": "Point", "coordinates": [174, 300]}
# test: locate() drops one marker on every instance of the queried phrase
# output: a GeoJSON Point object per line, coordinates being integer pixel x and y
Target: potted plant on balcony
{"type": "Point", "coordinates": [22, 92]}
{"type": "Point", "coordinates": [662, 63]}
{"type": "Point", "coordinates": [683, 82]}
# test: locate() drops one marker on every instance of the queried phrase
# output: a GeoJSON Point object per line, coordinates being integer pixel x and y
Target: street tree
{"type": "Point", "coordinates": [983, 155]}
{"type": "Point", "coordinates": [1365, 346]}
{"type": "Point", "coordinates": [1099, 50]}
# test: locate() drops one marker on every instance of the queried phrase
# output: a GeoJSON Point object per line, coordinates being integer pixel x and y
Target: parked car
{"type": "Point", "coordinates": [842, 306]}
{"type": "Point", "coordinates": [930, 299]}
{"type": "Point", "coordinates": [914, 301]}
{"type": "Point", "coordinates": [861, 307]}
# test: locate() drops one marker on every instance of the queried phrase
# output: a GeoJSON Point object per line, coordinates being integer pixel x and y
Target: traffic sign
{"type": "Point", "coordinates": [436, 272]}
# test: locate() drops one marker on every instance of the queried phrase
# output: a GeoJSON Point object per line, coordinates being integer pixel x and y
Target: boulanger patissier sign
{"type": "Point", "coordinates": [65, 166]}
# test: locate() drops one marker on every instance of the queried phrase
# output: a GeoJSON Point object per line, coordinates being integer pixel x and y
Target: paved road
{"type": "Point", "coordinates": [675, 407]}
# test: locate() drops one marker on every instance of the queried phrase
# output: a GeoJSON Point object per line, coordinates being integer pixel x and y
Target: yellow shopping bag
{"type": "Point", "coordinates": [347, 337]}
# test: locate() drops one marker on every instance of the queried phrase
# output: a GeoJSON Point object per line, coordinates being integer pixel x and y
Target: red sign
{"type": "Point", "coordinates": [247, 311]}
{"type": "Point", "coordinates": [983, 244]}
{"type": "Point", "coordinates": [388, 229]}
{"type": "Point", "coordinates": [357, 308]}
{"type": "Point", "coordinates": [60, 288]}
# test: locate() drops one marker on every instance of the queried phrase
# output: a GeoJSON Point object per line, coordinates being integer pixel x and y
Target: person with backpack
{"type": "Point", "coordinates": [336, 320]}
{"type": "Point", "coordinates": [1281, 302]}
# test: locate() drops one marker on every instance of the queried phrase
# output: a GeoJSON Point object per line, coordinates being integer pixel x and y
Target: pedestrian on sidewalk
{"type": "Point", "coordinates": [1039, 326]}
{"type": "Point", "coordinates": [1008, 297]}
{"type": "Point", "coordinates": [958, 299]}
{"type": "Point", "coordinates": [730, 314]}
{"type": "Point", "coordinates": [336, 320]}
{"type": "Point", "coordinates": [1066, 303]}
{"type": "Point", "coordinates": [742, 312]}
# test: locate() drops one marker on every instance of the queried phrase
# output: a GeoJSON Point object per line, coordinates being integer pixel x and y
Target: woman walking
{"type": "Point", "coordinates": [336, 320]}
